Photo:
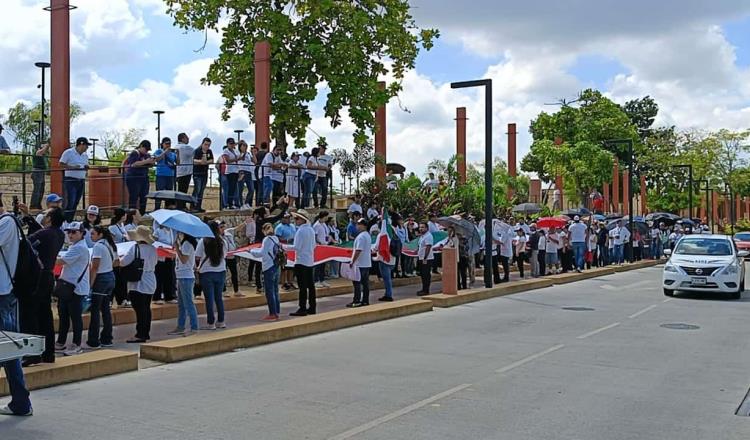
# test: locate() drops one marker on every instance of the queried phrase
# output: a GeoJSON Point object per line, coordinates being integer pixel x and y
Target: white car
{"type": "Point", "coordinates": [705, 263]}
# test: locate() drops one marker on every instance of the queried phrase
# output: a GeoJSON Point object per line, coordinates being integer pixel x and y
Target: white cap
{"type": "Point", "coordinates": [74, 226]}
{"type": "Point", "coordinates": [93, 209]}
{"type": "Point", "coordinates": [576, 218]}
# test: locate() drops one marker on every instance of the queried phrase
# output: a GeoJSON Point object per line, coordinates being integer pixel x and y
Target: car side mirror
{"type": "Point", "coordinates": [667, 252]}
{"type": "Point", "coordinates": [743, 254]}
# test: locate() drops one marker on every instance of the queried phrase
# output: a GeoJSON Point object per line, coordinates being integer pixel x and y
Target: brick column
{"type": "Point", "coordinates": [535, 191]}
{"type": "Point", "coordinates": [644, 196]}
{"type": "Point", "coordinates": [747, 208]}
{"type": "Point", "coordinates": [59, 87]}
{"type": "Point", "coordinates": [715, 206]}
{"type": "Point", "coordinates": [737, 208]}
{"type": "Point", "coordinates": [263, 93]}
{"type": "Point", "coordinates": [559, 184]}
{"type": "Point", "coordinates": [461, 144]}
{"type": "Point", "coordinates": [605, 194]}
{"type": "Point", "coordinates": [625, 192]}
{"type": "Point", "coordinates": [616, 188]}
{"type": "Point", "coordinates": [511, 155]}
{"type": "Point", "coordinates": [380, 141]}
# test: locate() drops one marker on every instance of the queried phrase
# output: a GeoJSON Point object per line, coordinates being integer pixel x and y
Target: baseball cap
{"type": "Point", "coordinates": [362, 222]}
{"type": "Point", "coordinates": [576, 218]}
{"type": "Point", "coordinates": [53, 198]}
{"type": "Point", "coordinates": [74, 226]}
{"type": "Point", "coordinates": [92, 209]}
{"type": "Point", "coordinates": [82, 140]}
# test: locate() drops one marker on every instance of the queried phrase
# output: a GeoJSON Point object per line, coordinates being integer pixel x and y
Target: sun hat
{"type": "Point", "coordinates": [302, 214]}
{"type": "Point", "coordinates": [141, 234]}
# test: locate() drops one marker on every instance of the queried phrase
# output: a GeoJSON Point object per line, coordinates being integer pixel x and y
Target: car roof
{"type": "Point", "coordinates": [714, 236]}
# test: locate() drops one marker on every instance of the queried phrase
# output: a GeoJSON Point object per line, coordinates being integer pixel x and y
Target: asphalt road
{"type": "Point", "coordinates": [517, 367]}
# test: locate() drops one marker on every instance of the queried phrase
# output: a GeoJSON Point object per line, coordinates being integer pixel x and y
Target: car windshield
{"type": "Point", "coordinates": [742, 236]}
{"type": "Point", "coordinates": [703, 246]}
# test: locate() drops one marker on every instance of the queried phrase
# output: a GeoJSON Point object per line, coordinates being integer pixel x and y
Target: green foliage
{"type": "Point", "coordinates": [340, 43]}
{"type": "Point", "coordinates": [21, 123]}
{"type": "Point", "coordinates": [642, 113]}
{"type": "Point", "coordinates": [357, 163]}
{"type": "Point", "coordinates": [119, 143]}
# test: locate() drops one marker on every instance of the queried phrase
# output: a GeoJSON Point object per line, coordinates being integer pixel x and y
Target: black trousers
{"type": "Point", "coordinates": [183, 183]}
{"type": "Point", "coordinates": [425, 268]}
{"type": "Point", "coordinates": [463, 271]}
{"type": "Point", "coordinates": [142, 307]}
{"type": "Point", "coordinates": [495, 269]}
{"type": "Point", "coordinates": [121, 287]}
{"type": "Point", "coordinates": [505, 262]}
{"type": "Point", "coordinates": [541, 255]}
{"type": "Point", "coordinates": [36, 318]}
{"type": "Point", "coordinates": [520, 259]}
{"type": "Point", "coordinates": [70, 310]}
{"type": "Point", "coordinates": [304, 276]}
{"type": "Point", "coordinates": [251, 270]}
{"type": "Point", "coordinates": [165, 280]}
{"type": "Point", "coordinates": [232, 266]}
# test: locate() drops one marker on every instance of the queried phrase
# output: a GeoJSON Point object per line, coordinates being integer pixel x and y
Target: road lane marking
{"type": "Point", "coordinates": [607, 287]}
{"type": "Point", "coordinates": [641, 312]}
{"type": "Point", "coordinates": [667, 300]}
{"type": "Point", "coordinates": [636, 284]}
{"type": "Point", "coordinates": [599, 330]}
{"type": "Point", "coordinates": [403, 411]}
{"type": "Point", "coordinates": [528, 359]}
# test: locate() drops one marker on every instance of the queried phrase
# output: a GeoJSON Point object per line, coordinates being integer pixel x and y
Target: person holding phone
{"type": "Point", "coordinates": [166, 161]}
{"type": "Point", "coordinates": [136, 175]}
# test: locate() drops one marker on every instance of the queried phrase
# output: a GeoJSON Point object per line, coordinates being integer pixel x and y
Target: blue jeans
{"type": "Point", "coordinates": [579, 250]}
{"type": "Point", "coordinates": [321, 187]}
{"type": "Point", "coordinates": [199, 185]}
{"type": "Point", "coordinates": [248, 182]}
{"type": "Point", "coordinates": [101, 299]}
{"type": "Point", "coordinates": [72, 193]}
{"type": "Point", "coordinates": [618, 258]}
{"type": "Point", "coordinates": [233, 198]}
{"type": "Point", "coordinates": [657, 248]}
{"type": "Point", "coordinates": [163, 183]}
{"type": "Point", "coordinates": [386, 271]}
{"type": "Point", "coordinates": [271, 284]}
{"type": "Point", "coordinates": [308, 185]}
{"type": "Point", "coordinates": [212, 284]}
{"type": "Point", "coordinates": [224, 184]}
{"type": "Point", "coordinates": [362, 287]}
{"type": "Point", "coordinates": [267, 189]}
{"type": "Point", "coordinates": [185, 305]}
{"type": "Point", "coordinates": [20, 402]}
{"type": "Point", "coordinates": [602, 255]}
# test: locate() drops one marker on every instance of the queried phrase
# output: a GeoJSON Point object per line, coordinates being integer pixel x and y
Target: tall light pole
{"type": "Point", "coordinates": [93, 149]}
{"type": "Point", "coordinates": [629, 143]}
{"type": "Point", "coordinates": [158, 114]}
{"type": "Point", "coordinates": [689, 167]}
{"type": "Point", "coordinates": [43, 66]}
{"type": "Point", "coordinates": [487, 84]}
{"type": "Point", "coordinates": [239, 133]}
{"type": "Point", "coordinates": [709, 213]}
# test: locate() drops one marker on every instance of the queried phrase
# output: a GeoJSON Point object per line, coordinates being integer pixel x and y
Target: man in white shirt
{"type": "Point", "coordinates": [321, 238]}
{"type": "Point", "coordinates": [578, 240]}
{"type": "Point", "coordinates": [231, 157]}
{"type": "Point", "coordinates": [425, 256]}
{"type": "Point", "coordinates": [184, 170]}
{"type": "Point", "coordinates": [362, 259]}
{"type": "Point", "coordinates": [75, 162]}
{"type": "Point", "coordinates": [355, 206]}
{"type": "Point", "coordinates": [273, 175]}
{"type": "Point", "coordinates": [619, 235]}
{"type": "Point", "coordinates": [431, 183]}
{"type": "Point", "coordinates": [20, 404]}
{"type": "Point", "coordinates": [304, 248]}
{"type": "Point", "coordinates": [324, 161]}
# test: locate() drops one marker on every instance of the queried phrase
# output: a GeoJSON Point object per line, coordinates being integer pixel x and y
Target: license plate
{"type": "Point", "coordinates": [698, 281]}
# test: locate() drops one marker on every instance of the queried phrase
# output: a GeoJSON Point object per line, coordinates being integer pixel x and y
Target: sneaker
{"type": "Point", "coordinates": [326, 284]}
{"type": "Point", "coordinates": [238, 295]}
{"type": "Point", "coordinates": [353, 305]}
{"type": "Point", "coordinates": [6, 411]}
{"type": "Point", "coordinates": [385, 299]}
{"type": "Point", "coordinates": [92, 347]}
{"type": "Point", "coordinates": [270, 318]}
{"type": "Point", "coordinates": [172, 301]}
{"type": "Point", "coordinates": [106, 344]}
{"type": "Point", "coordinates": [190, 332]}
{"type": "Point", "coordinates": [159, 302]}
{"type": "Point", "coordinates": [227, 295]}
{"type": "Point", "coordinates": [177, 331]}
{"type": "Point", "coordinates": [136, 341]}
{"type": "Point", "coordinates": [59, 348]}
{"type": "Point", "coordinates": [319, 285]}
{"type": "Point", "coordinates": [221, 325]}
{"type": "Point", "coordinates": [126, 305]}
{"type": "Point", "coordinates": [73, 350]}
{"type": "Point", "coordinates": [208, 327]}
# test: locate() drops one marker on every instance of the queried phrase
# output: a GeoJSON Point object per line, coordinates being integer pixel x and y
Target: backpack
{"type": "Point", "coordinates": [395, 246]}
{"type": "Point", "coordinates": [134, 271]}
{"type": "Point", "coordinates": [28, 265]}
{"type": "Point", "coordinates": [279, 256]}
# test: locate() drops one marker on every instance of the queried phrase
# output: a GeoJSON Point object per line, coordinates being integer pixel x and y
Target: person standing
{"type": "Point", "coordinates": [322, 239]}
{"type": "Point", "coordinates": [184, 247]}
{"type": "Point", "coordinates": [619, 236]}
{"type": "Point", "coordinates": [294, 179]}
{"type": "Point", "coordinates": [362, 260]}
{"type": "Point", "coordinates": [602, 249]}
{"type": "Point", "coordinates": [75, 271]}
{"type": "Point", "coordinates": [4, 147]}
{"type": "Point", "coordinates": [285, 232]}
{"type": "Point", "coordinates": [542, 252]}
{"type": "Point", "coordinates": [325, 162]}
{"type": "Point", "coordinates": [273, 175]}
{"type": "Point", "coordinates": [230, 244]}
{"type": "Point", "coordinates": [75, 162]}
{"type": "Point", "coordinates": [519, 244]}
{"type": "Point", "coordinates": [260, 172]}
{"type": "Point", "coordinates": [166, 161]}
{"type": "Point", "coordinates": [309, 177]}
{"type": "Point", "coordinates": [140, 291]}
{"type": "Point", "coordinates": [211, 255]}
{"type": "Point", "coordinates": [39, 167]}
{"type": "Point", "coordinates": [202, 158]}
{"type": "Point", "coordinates": [386, 264]}
{"type": "Point", "coordinates": [267, 253]}
{"type": "Point", "coordinates": [534, 250]}
{"type": "Point", "coordinates": [552, 246]}
{"type": "Point", "coordinates": [246, 179]}
{"type": "Point", "coordinates": [102, 282]}
{"type": "Point", "coordinates": [425, 256]}
{"type": "Point", "coordinates": [136, 176]}
{"type": "Point", "coordinates": [304, 248]}
{"type": "Point", "coordinates": [164, 271]}
{"type": "Point", "coordinates": [184, 170]}
{"type": "Point", "coordinates": [578, 239]}
{"type": "Point", "coordinates": [506, 252]}
{"type": "Point", "coordinates": [231, 158]}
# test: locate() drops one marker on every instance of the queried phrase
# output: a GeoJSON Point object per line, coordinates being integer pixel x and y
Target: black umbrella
{"type": "Point", "coordinates": [640, 226]}
{"type": "Point", "coordinates": [171, 195]}
{"type": "Point", "coordinates": [612, 216]}
{"type": "Point", "coordinates": [576, 212]}
{"type": "Point", "coordinates": [395, 168]}
{"type": "Point", "coordinates": [464, 228]}
{"type": "Point", "coordinates": [654, 216]}
{"type": "Point", "coordinates": [527, 208]}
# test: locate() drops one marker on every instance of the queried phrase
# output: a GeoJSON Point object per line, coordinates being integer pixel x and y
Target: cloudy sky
{"type": "Point", "coordinates": [692, 56]}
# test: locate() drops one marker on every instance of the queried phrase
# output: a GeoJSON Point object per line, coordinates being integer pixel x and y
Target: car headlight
{"type": "Point", "coordinates": [732, 269]}
{"type": "Point", "coordinates": [669, 267]}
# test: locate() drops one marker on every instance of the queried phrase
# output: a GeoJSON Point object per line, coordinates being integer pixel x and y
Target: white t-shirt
{"type": "Point", "coordinates": [619, 235]}
{"type": "Point", "coordinates": [185, 155]}
{"type": "Point", "coordinates": [247, 166]}
{"type": "Point", "coordinates": [304, 246]}
{"type": "Point", "coordinates": [205, 264]}
{"type": "Point", "coordinates": [433, 227]}
{"type": "Point", "coordinates": [76, 263]}
{"type": "Point", "coordinates": [363, 243]}
{"type": "Point", "coordinates": [71, 158]}
{"type": "Point", "coordinates": [324, 160]}
{"type": "Point", "coordinates": [542, 245]}
{"type": "Point", "coordinates": [550, 246]}
{"type": "Point", "coordinates": [231, 154]}
{"type": "Point", "coordinates": [577, 233]}
{"type": "Point", "coordinates": [321, 233]}
{"type": "Point", "coordinates": [9, 240]}
{"type": "Point", "coordinates": [311, 161]}
{"type": "Point", "coordinates": [119, 233]}
{"type": "Point", "coordinates": [104, 254]}
{"type": "Point", "coordinates": [185, 270]}
{"type": "Point", "coordinates": [147, 284]}
{"type": "Point", "coordinates": [424, 241]}
{"type": "Point", "coordinates": [561, 235]}
{"type": "Point", "coordinates": [276, 175]}
{"type": "Point", "coordinates": [519, 242]}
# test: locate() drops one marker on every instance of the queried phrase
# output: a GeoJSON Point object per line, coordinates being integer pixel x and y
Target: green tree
{"type": "Point", "coordinates": [118, 143]}
{"type": "Point", "coordinates": [340, 43]}
{"type": "Point", "coordinates": [642, 113]}
{"type": "Point", "coordinates": [21, 122]}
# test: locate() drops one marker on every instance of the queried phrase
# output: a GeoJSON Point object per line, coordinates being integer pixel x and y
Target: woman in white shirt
{"type": "Point", "coordinates": [246, 179]}
{"type": "Point", "coordinates": [140, 292]}
{"type": "Point", "coordinates": [294, 179]}
{"type": "Point", "coordinates": [309, 177]}
{"type": "Point", "coordinates": [519, 245]}
{"type": "Point", "coordinates": [212, 269]}
{"type": "Point", "coordinates": [230, 244]}
{"type": "Point", "coordinates": [119, 235]}
{"type": "Point", "coordinates": [267, 253]}
{"type": "Point", "coordinates": [75, 271]}
{"type": "Point", "coordinates": [184, 270]}
{"type": "Point", "coordinates": [102, 276]}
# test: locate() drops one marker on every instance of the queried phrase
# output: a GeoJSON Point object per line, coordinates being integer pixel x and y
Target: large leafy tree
{"type": "Point", "coordinates": [21, 122]}
{"type": "Point", "coordinates": [342, 44]}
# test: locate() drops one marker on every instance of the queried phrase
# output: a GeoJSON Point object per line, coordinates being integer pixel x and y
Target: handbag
{"type": "Point", "coordinates": [64, 290]}
{"type": "Point", "coordinates": [133, 272]}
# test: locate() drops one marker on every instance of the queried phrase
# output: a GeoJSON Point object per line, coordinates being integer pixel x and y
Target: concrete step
{"type": "Point", "coordinates": [206, 344]}
{"type": "Point", "coordinates": [570, 277]}
{"type": "Point", "coordinates": [482, 293]}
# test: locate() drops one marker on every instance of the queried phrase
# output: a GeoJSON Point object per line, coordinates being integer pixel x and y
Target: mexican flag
{"type": "Point", "coordinates": [383, 239]}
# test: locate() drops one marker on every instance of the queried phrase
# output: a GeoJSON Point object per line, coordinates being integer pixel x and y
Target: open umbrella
{"type": "Point", "coordinates": [613, 216]}
{"type": "Point", "coordinates": [464, 228]}
{"type": "Point", "coordinates": [181, 221]}
{"type": "Point", "coordinates": [549, 222]}
{"type": "Point", "coordinates": [527, 208]}
{"type": "Point", "coordinates": [599, 217]}
{"type": "Point", "coordinates": [170, 195]}
{"type": "Point", "coordinates": [660, 216]}
{"type": "Point", "coordinates": [639, 225]}
{"type": "Point", "coordinates": [395, 168]}
{"type": "Point", "coordinates": [576, 212]}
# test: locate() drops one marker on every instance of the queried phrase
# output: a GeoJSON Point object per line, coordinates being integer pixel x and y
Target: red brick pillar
{"type": "Point", "coordinates": [59, 87]}
{"type": "Point", "coordinates": [559, 180]}
{"type": "Point", "coordinates": [625, 192]}
{"type": "Point", "coordinates": [605, 194]}
{"type": "Point", "coordinates": [380, 142]}
{"type": "Point", "coordinates": [747, 208]}
{"type": "Point", "coordinates": [715, 206]}
{"type": "Point", "coordinates": [511, 155]}
{"type": "Point", "coordinates": [461, 144]}
{"type": "Point", "coordinates": [644, 196]}
{"type": "Point", "coordinates": [262, 93]}
{"type": "Point", "coordinates": [616, 188]}
{"type": "Point", "coordinates": [535, 191]}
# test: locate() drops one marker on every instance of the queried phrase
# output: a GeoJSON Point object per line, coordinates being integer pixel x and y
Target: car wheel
{"type": "Point", "coordinates": [668, 292]}
{"type": "Point", "coordinates": [736, 295]}
{"type": "Point", "coordinates": [742, 286]}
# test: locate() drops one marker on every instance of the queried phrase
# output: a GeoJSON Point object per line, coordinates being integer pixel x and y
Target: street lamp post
{"type": "Point", "coordinates": [44, 66]}
{"type": "Point", "coordinates": [690, 188]}
{"type": "Point", "coordinates": [487, 84]}
{"type": "Point", "coordinates": [629, 143]}
{"type": "Point", "coordinates": [239, 133]}
{"type": "Point", "coordinates": [93, 149]}
{"type": "Point", "coordinates": [158, 114]}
